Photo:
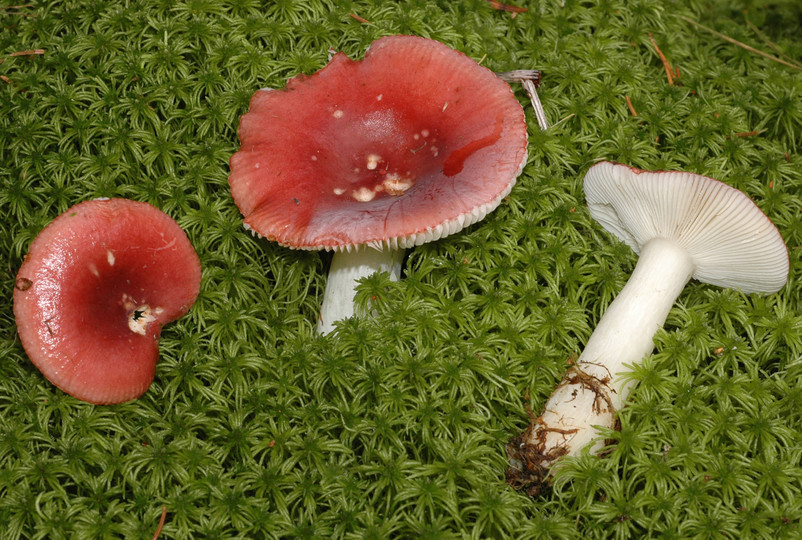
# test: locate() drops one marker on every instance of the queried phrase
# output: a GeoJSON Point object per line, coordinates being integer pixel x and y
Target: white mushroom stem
{"type": "Point", "coordinates": [594, 388]}
{"type": "Point", "coordinates": [684, 225]}
{"type": "Point", "coordinates": [347, 268]}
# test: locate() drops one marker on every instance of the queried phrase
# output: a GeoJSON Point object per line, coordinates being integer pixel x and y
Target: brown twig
{"type": "Point", "coordinates": [738, 43]}
{"type": "Point", "coordinates": [666, 64]}
{"type": "Point", "coordinates": [161, 523]}
{"type": "Point", "coordinates": [631, 107]}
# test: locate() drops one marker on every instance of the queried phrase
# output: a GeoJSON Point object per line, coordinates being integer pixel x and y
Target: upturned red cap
{"type": "Point", "coordinates": [95, 289]}
{"type": "Point", "coordinates": [411, 144]}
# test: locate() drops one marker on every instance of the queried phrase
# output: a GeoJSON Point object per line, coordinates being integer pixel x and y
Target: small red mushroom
{"type": "Point", "coordinates": [367, 158]}
{"type": "Point", "coordinates": [94, 291]}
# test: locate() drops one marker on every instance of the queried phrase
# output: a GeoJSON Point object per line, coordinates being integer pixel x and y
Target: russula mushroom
{"type": "Point", "coordinates": [367, 158]}
{"type": "Point", "coordinates": [93, 293]}
{"type": "Point", "coordinates": [683, 226]}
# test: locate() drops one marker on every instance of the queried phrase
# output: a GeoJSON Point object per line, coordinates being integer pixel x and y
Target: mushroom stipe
{"type": "Point", "coordinates": [411, 144]}
{"type": "Point", "coordinates": [683, 226]}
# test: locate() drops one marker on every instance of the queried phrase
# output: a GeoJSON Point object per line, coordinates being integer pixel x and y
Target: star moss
{"type": "Point", "coordinates": [396, 425]}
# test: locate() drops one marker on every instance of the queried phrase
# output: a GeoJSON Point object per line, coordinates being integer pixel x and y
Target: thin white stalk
{"type": "Point", "coordinates": [346, 269]}
{"type": "Point", "coordinates": [594, 389]}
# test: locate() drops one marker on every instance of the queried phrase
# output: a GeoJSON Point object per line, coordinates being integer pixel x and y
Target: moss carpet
{"type": "Point", "coordinates": [395, 427]}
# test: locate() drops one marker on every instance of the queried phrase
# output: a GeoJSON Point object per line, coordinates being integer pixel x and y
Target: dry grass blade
{"type": "Point", "coordinates": [738, 43]}
{"type": "Point", "coordinates": [771, 44]}
{"type": "Point", "coordinates": [530, 80]}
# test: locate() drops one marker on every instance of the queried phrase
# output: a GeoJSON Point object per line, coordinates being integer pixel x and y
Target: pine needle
{"type": "Point", "coordinates": [161, 523]}
{"type": "Point", "coordinates": [358, 18]}
{"type": "Point", "coordinates": [29, 52]}
{"type": "Point", "coordinates": [666, 64]}
{"type": "Point", "coordinates": [506, 7]}
{"type": "Point", "coordinates": [631, 107]}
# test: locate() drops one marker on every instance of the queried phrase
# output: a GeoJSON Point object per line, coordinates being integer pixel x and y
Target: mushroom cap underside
{"type": "Point", "coordinates": [730, 239]}
{"type": "Point", "coordinates": [95, 289]}
{"type": "Point", "coordinates": [408, 145]}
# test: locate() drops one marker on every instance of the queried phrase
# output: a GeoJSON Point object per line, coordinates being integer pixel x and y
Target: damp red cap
{"type": "Point", "coordinates": [410, 144]}
{"type": "Point", "coordinates": [93, 293]}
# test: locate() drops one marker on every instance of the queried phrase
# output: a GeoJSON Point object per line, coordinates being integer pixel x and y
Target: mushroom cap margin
{"type": "Point", "coordinates": [286, 212]}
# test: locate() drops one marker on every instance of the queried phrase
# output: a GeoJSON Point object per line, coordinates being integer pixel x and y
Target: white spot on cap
{"type": "Point", "coordinates": [397, 185]}
{"type": "Point", "coordinates": [337, 114]}
{"type": "Point", "coordinates": [379, 97]}
{"type": "Point", "coordinates": [314, 158]}
{"type": "Point", "coordinates": [363, 194]}
{"type": "Point", "coordinates": [434, 150]}
{"type": "Point", "coordinates": [416, 136]}
{"type": "Point", "coordinates": [110, 257]}
{"type": "Point", "coordinates": [256, 165]}
{"type": "Point", "coordinates": [372, 161]}
{"type": "Point", "coordinates": [127, 301]}
{"type": "Point", "coordinates": [424, 132]}
{"type": "Point", "coordinates": [339, 191]}
{"type": "Point", "coordinates": [93, 269]}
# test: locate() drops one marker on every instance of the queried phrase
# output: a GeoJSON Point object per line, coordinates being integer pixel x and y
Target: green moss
{"type": "Point", "coordinates": [396, 426]}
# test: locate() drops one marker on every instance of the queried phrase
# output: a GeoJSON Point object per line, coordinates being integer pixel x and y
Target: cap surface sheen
{"type": "Point", "coordinates": [411, 144]}
{"type": "Point", "coordinates": [95, 289]}
{"type": "Point", "coordinates": [731, 241]}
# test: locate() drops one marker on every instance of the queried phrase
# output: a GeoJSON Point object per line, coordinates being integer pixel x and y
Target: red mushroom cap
{"type": "Point", "coordinates": [95, 289]}
{"type": "Point", "coordinates": [411, 144]}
